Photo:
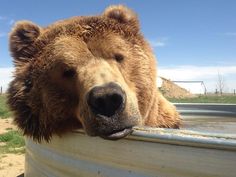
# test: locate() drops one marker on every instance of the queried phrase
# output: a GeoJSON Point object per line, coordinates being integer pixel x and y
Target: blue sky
{"type": "Point", "coordinates": [197, 35]}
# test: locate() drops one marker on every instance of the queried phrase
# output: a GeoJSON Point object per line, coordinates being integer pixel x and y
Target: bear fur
{"type": "Point", "coordinates": [56, 66]}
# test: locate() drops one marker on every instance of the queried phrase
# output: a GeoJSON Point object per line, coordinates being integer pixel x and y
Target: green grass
{"type": "Point", "coordinates": [4, 110]}
{"type": "Point", "coordinates": [12, 142]}
{"type": "Point", "coordinates": [206, 99]}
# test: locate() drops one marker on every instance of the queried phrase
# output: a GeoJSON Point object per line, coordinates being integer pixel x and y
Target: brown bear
{"type": "Point", "coordinates": [95, 72]}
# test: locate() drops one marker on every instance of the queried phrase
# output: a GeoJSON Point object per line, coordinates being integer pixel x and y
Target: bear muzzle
{"type": "Point", "coordinates": [107, 103]}
{"type": "Point", "coordinates": [106, 100]}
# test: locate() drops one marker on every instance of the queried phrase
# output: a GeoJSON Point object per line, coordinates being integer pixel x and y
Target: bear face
{"type": "Point", "coordinates": [97, 72]}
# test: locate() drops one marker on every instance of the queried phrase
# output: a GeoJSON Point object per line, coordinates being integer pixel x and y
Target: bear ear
{"type": "Point", "coordinates": [22, 38]}
{"type": "Point", "coordinates": [121, 13]}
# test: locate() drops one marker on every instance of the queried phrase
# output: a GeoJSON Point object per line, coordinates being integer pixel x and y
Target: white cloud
{"type": "Point", "coordinates": [161, 42]}
{"type": "Point", "coordinates": [2, 34]}
{"type": "Point", "coordinates": [11, 22]}
{"type": "Point", "coordinates": [207, 74]}
{"type": "Point", "coordinates": [7, 20]}
{"type": "Point", "coordinates": [157, 44]}
{"type": "Point", "coordinates": [2, 18]}
{"type": "Point", "coordinates": [230, 34]}
{"type": "Point", "coordinates": [5, 77]}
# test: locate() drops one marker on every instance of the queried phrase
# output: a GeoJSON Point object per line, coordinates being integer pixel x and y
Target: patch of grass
{"type": "Point", "coordinates": [13, 142]}
{"type": "Point", "coordinates": [231, 99]}
{"type": "Point", "coordinates": [4, 110]}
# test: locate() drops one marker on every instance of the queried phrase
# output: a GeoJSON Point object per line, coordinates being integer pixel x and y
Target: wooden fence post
{"type": "Point", "coordinates": [216, 92]}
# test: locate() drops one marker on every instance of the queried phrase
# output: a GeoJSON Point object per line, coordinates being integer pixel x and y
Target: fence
{"type": "Point", "coordinates": [217, 92]}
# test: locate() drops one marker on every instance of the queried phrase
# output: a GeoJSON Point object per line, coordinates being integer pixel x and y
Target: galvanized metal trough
{"type": "Point", "coordinates": [204, 146]}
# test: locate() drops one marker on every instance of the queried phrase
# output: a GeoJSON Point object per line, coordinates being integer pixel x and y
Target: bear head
{"type": "Point", "coordinates": [95, 72]}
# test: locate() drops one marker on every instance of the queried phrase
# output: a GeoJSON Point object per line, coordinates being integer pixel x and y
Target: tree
{"type": "Point", "coordinates": [220, 85]}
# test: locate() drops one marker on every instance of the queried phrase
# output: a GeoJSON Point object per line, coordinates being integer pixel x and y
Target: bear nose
{"type": "Point", "coordinates": [106, 100]}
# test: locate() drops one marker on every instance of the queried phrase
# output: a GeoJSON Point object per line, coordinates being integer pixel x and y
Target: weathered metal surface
{"type": "Point", "coordinates": [149, 152]}
{"type": "Point", "coordinates": [207, 109]}
{"type": "Point", "coordinates": [209, 118]}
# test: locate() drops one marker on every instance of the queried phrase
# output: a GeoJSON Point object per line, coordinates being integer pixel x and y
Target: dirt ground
{"type": "Point", "coordinates": [172, 90]}
{"type": "Point", "coordinates": [6, 124]}
{"type": "Point", "coordinates": [11, 165]}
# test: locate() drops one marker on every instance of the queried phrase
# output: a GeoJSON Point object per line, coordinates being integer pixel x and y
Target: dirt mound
{"type": "Point", "coordinates": [172, 90]}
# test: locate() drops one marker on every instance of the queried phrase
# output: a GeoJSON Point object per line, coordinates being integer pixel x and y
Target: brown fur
{"type": "Point", "coordinates": [92, 50]}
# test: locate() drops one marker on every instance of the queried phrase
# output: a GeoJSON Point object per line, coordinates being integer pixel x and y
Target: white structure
{"type": "Point", "coordinates": [194, 87]}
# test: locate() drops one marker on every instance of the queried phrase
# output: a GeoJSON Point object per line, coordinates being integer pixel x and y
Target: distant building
{"type": "Point", "coordinates": [194, 87]}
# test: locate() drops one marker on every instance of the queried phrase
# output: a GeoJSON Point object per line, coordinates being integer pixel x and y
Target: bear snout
{"type": "Point", "coordinates": [106, 100]}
